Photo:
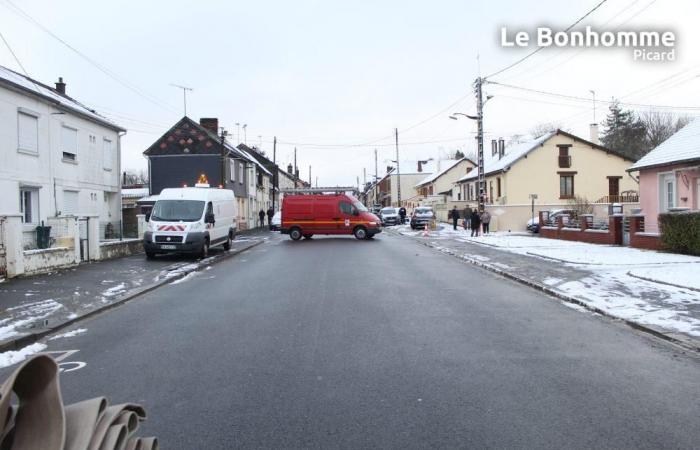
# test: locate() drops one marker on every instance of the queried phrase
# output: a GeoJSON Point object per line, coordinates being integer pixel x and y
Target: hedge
{"type": "Point", "coordinates": [680, 232]}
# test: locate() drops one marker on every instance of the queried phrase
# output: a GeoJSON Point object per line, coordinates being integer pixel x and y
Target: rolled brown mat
{"type": "Point", "coordinates": [40, 421]}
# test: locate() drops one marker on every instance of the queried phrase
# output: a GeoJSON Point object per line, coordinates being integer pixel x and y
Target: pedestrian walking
{"type": "Point", "coordinates": [402, 215]}
{"type": "Point", "coordinates": [475, 223]}
{"type": "Point", "coordinates": [485, 220]}
{"type": "Point", "coordinates": [270, 213]}
{"type": "Point", "coordinates": [454, 215]}
{"type": "Point", "coordinates": [261, 214]}
{"type": "Point", "coordinates": [467, 213]}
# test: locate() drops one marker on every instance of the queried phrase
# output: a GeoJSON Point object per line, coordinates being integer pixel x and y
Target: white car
{"type": "Point", "coordinates": [276, 222]}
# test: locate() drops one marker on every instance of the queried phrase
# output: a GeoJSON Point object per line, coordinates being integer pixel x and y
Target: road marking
{"type": "Point", "coordinates": [66, 366]}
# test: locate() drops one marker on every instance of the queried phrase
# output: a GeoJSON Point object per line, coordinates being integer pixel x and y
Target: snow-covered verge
{"type": "Point", "coordinates": [650, 288]}
{"type": "Point", "coordinates": [13, 357]}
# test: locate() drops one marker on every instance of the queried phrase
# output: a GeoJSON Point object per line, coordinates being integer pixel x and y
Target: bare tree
{"type": "Point", "coordinates": [543, 128]}
{"type": "Point", "coordinates": [661, 126]}
{"type": "Point", "coordinates": [132, 177]}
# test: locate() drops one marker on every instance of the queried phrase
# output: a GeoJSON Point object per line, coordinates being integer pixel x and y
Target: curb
{"type": "Point", "coordinates": [22, 341]}
{"type": "Point", "coordinates": [685, 343]}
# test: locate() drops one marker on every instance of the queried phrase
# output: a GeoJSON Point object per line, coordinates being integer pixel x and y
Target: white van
{"type": "Point", "coordinates": [190, 220]}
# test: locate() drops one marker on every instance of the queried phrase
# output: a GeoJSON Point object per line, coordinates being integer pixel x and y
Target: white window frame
{"type": "Point", "coordinates": [65, 151]}
{"type": "Point", "coordinates": [241, 172]}
{"type": "Point", "coordinates": [32, 114]}
{"type": "Point", "coordinates": [663, 179]}
{"type": "Point", "coordinates": [107, 154]}
{"type": "Point", "coordinates": [232, 170]}
{"type": "Point", "coordinates": [34, 212]}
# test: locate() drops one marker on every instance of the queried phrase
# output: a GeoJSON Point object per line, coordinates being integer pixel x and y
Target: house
{"type": "Point", "coordinates": [190, 149]}
{"type": "Point", "coordinates": [669, 175]}
{"type": "Point", "coordinates": [557, 168]}
{"type": "Point", "coordinates": [387, 191]}
{"type": "Point", "coordinates": [440, 187]}
{"type": "Point", "coordinates": [260, 187]}
{"type": "Point", "coordinates": [58, 157]}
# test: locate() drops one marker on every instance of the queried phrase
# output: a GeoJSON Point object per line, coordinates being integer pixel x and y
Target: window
{"type": "Point", "coordinates": [232, 170]}
{"type": "Point", "coordinates": [70, 203]}
{"type": "Point", "coordinates": [27, 133]}
{"type": "Point", "coordinates": [240, 172]}
{"type": "Point", "coordinates": [107, 154]}
{"type": "Point", "coordinates": [667, 192]}
{"type": "Point", "coordinates": [491, 191]}
{"type": "Point", "coordinates": [564, 157]}
{"type": "Point", "coordinates": [29, 205]}
{"type": "Point", "coordinates": [498, 186]}
{"type": "Point", "coordinates": [566, 186]}
{"type": "Point", "coordinates": [346, 208]}
{"type": "Point", "coordinates": [69, 143]}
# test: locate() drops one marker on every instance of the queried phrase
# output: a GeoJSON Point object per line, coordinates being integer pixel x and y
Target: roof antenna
{"type": "Point", "coordinates": [184, 94]}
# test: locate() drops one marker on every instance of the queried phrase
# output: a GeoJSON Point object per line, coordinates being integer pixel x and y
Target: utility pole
{"type": "Point", "coordinates": [480, 139]}
{"type": "Point", "coordinates": [223, 157]}
{"type": "Point", "coordinates": [184, 94]}
{"type": "Point", "coordinates": [295, 161]}
{"type": "Point", "coordinates": [310, 177]}
{"type": "Point", "coordinates": [245, 134]}
{"type": "Point", "coordinates": [376, 177]}
{"type": "Point", "coordinates": [398, 171]}
{"type": "Point", "coordinates": [275, 178]}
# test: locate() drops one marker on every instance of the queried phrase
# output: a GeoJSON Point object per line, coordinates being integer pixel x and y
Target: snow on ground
{"type": "Point", "coordinates": [26, 314]}
{"type": "Point", "coordinates": [114, 290]}
{"type": "Point", "coordinates": [651, 288]}
{"type": "Point", "coordinates": [12, 357]}
{"type": "Point", "coordinates": [68, 334]}
{"type": "Point", "coordinates": [185, 278]}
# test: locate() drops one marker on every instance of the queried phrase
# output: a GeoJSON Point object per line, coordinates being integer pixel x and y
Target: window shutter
{"type": "Point", "coordinates": [107, 154]}
{"type": "Point", "coordinates": [70, 202]}
{"type": "Point", "coordinates": [69, 140]}
{"type": "Point", "coordinates": [28, 132]}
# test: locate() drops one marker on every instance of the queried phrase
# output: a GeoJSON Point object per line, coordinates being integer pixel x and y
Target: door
{"type": "Point", "coordinates": [614, 189]}
{"type": "Point", "coordinates": [345, 224]}
{"type": "Point", "coordinates": [325, 217]}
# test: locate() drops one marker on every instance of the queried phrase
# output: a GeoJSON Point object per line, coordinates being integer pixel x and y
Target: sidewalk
{"type": "Point", "coordinates": [657, 291]}
{"type": "Point", "coordinates": [42, 303]}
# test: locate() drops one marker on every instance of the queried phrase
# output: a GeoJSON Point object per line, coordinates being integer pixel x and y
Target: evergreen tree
{"type": "Point", "coordinates": [624, 132]}
{"type": "Point", "coordinates": [459, 154]}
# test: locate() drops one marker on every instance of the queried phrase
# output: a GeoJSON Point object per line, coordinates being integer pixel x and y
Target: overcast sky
{"type": "Point", "coordinates": [325, 76]}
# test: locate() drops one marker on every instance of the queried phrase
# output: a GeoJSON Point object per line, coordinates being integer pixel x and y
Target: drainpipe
{"type": "Point", "coordinates": [119, 185]}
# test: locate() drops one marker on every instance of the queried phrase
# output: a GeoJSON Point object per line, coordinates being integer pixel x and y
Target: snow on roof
{"type": "Point", "coordinates": [28, 84]}
{"type": "Point", "coordinates": [134, 192]}
{"type": "Point", "coordinates": [684, 145]}
{"type": "Point", "coordinates": [448, 164]}
{"type": "Point", "coordinates": [512, 153]}
{"type": "Point", "coordinates": [252, 159]}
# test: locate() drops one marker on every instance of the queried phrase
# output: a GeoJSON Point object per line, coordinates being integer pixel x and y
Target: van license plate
{"type": "Point", "coordinates": [168, 247]}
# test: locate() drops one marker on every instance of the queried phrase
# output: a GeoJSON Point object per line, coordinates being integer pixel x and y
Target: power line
{"type": "Point", "coordinates": [541, 48]}
{"type": "Point", "coordinates": [17, 10]}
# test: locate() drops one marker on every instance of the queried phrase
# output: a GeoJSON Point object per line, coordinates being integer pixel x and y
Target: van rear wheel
{"type": "Point", "coordinates": [360, 233]}
{"type": "Point", "coordinates": [227, 244]}
{"type": "Point", "coordinates": [295, 234]}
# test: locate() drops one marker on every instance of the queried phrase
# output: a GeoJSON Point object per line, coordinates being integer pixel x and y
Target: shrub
{"type": "Point", "coordinates": [580, 205]}
{"type": "Point", "coordinates": [680, 232]}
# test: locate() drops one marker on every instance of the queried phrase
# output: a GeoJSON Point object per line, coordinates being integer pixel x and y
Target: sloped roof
{"type": "Point", "coordinates": [11, 79]}
{"type": "Point", "coordinates": [451, 163]}
{"type": "Point", "coordinates": [683, 146]}
{"type": "Point", "coordinates": [512, 153]}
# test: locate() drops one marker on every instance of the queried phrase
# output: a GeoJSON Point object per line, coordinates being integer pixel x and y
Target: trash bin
{"type": "Point", "coordinates": [43, 234]}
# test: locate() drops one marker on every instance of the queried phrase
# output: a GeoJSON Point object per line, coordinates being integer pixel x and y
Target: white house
{"type": "Point", "coordinates": [57, 156]}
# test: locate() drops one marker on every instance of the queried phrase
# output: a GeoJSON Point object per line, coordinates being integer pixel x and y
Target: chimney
{"type": "Point", "coordinates": [290, 169]}
{"type": "Point", "coordinates": [595, 138]}
{"type": "Point", "coordinates": [61, 86]}
{"type": "Point", "coordinates": [420, 166]}
{"type": "Point", "coordinates": [210, 123]}
{"type": "Point", "coordinates": [501, 148]}
{"type": "Point", "coordinates": [494, 147]}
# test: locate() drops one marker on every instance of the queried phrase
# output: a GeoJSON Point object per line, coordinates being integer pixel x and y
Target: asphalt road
{"type": "Point", "coordinates": [335, 343]}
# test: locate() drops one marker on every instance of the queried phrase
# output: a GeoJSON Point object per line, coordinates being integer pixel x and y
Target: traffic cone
{"type": "Point", "coordinates": [426, 233]}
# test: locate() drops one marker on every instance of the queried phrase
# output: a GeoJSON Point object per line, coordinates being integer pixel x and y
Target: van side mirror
{"type": "Point", "coordinates": [209, 218]}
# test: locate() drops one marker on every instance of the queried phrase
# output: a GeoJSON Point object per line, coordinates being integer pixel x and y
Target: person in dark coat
{"type": "Point", "coordinates": [402, 215]}
{"type": "Point", "coordinates": [261, 214]}
{"type": "Point", "coordinates": [454, 215]}
{"type": "Point", "coordinates": [467, 213]}
{"type": "Point", "coordinates": [270, 213]}
{"type": "Point", "coordinates": [476, 223]}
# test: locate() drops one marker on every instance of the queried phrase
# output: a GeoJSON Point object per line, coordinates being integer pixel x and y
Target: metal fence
{"type": "Point", "coordinates": [118, 230]}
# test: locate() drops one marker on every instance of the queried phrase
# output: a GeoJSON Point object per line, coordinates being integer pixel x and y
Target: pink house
{"type": "Point", "coordinates": [669, 175]}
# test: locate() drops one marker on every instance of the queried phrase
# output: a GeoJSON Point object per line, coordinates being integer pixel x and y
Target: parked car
{"type": "Point", "coordinates": [389, 216]}
{"type": "Point", "coordinates": [191, 220]}
{"type": "Point", "coordinates": [533, 225]}
{"type": "Point", "coordinates": [306, 215]}
{"type": "Point", "coordinates": [276, 221]}
{"type": "Point", "coordinates": [422, 216]}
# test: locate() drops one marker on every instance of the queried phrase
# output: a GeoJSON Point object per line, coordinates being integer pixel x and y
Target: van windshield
{"type": "Point", "coordinates": [178, 210]}
{"type": "Point", "coordinates": [359, 206]}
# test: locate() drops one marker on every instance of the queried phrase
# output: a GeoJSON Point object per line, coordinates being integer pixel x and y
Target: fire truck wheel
{"type": "Point", "coordinates": [360, 233]}
{"type": "Point", "coordinates": [295, 234]}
